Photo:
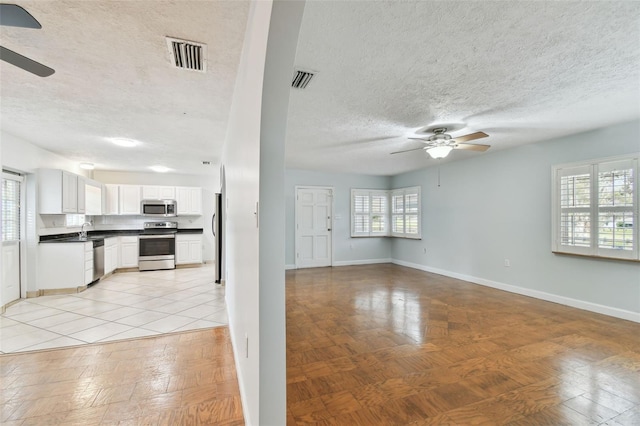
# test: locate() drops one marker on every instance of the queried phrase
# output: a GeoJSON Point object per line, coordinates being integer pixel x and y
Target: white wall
{"type": "Point", "coordinates": [346, 250]}
{"type": "Point", "coordinates": [21, 155]}
{"type": "Point", "coordinates": [283, 39]}
{"type": "Point", "coordinates": [253, 160]}
{"type": "Point", "coordinates": [497, 206]}
{"type": "Point", "coordinates": [241, 162]}
{"type": "Point", "coordinates": [210, 184]}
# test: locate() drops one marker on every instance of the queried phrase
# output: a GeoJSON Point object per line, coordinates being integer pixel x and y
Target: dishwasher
{"type": "Point", "coordinates": [98, 259]}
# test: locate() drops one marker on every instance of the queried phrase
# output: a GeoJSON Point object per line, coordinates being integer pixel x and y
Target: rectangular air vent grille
{"type": "Point", "coordinates": [301, 79]}
{"type": "Point", "coordinates": [188, 55]}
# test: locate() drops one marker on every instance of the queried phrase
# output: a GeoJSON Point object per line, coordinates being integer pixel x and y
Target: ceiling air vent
{"type": "Point", "coordinates": [188, 55]}
{"type": "Point", "coordinates": [301, 79]}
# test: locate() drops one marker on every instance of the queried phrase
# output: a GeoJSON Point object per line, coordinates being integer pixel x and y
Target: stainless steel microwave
{"type": "Point", "coordinates": [159, 208]}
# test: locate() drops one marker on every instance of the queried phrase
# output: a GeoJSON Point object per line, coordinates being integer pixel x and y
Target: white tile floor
{"type": "Point", "coordinates": [122, 306]}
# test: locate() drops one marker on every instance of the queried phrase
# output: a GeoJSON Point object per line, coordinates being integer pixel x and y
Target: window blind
{"type": "Point", "coordinates": [10, 210]}
{"type": "Point", "coordinates": [596, 208]}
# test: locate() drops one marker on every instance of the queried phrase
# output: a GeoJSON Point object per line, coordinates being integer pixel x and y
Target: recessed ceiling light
{"type": "Point", "coordinates": [87, 166]}
{"type": "Point", "coordinates": [127, 143]}
{"type": "Point", "coordinates": [160, 169]}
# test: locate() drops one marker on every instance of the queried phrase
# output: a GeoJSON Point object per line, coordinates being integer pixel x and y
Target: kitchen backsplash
{"type": "Point", "coordinates": [51, 224]}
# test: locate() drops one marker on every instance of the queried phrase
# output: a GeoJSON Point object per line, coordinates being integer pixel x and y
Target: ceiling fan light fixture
{"type": "Point", "coordinates": [124, 142]}
{"type": "Point", "coordinates": [439, 151]}
{"type": "Point", "coordinates": [160, 169]}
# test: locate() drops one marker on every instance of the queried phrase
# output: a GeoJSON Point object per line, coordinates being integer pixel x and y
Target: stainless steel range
{"type": "Point", "coordinates": [157, 246]}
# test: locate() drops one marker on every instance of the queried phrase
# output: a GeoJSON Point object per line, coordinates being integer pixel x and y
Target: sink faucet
{"type": "Point", "coordinates": [83, 233]}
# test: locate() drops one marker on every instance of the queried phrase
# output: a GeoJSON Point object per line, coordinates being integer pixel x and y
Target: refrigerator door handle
{"type": "Point", "coordinates": [213, 224]}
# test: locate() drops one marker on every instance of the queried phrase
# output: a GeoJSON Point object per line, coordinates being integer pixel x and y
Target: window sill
{"type": "Point", "coordinates": [591, 256]}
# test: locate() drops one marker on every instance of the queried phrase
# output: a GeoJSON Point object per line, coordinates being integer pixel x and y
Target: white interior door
{"type": "Point", "coordinates": [314, 211]}
{"type": "Point", "coordinates": [11, 234]}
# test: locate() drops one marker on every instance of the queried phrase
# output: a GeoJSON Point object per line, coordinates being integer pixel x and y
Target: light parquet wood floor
{"type": "Point", "coordinates": [177, 379]}
{"type": "Point", "coordinates": [388, 345]}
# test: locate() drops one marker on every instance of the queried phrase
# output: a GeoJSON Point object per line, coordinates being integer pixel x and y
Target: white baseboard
{"type": "Point", "coordinates": [568, 301]}
{"type": "Point", "coordinates": [287, 267]}
{"type": "Point", "coordinates": [360, 262]}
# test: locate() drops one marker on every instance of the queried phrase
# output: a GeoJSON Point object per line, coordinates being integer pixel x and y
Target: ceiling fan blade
{"type": "Point", "coordinates": [13, 15]}
{"type": "Point", "coordinates": [470, 137]}
{"type": "Point", "coordinates": [472, 147]}
{"type": "Point", "coordinates": [425, 139]}
{"type": "Point", "coordinates": [25, 63]}
{"type": "Point", "coordinates": [407, 150]}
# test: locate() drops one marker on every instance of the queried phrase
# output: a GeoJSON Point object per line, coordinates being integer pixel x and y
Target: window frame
{"type": "Point", "coordinates": [404, 192]}
{"type": "Point", "coordinates": [594, 168]}
{"type": "Point", "coordinates": [389, 215]}
{"type": "Point", "coordinates": [369, 193]}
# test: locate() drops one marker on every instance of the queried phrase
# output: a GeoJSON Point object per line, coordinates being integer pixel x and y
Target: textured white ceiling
{"type": "Point", "coordinates": [519, 71]}
{"type": "Point", "coordinates": [114, 79]}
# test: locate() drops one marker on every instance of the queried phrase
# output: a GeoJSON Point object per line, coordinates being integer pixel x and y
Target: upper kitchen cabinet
{"type": "Point", "coordinates": [130, 199]}
{"type": "Point", "coordinates": [92, 198]}
{"type": "Point", "coordinates": [110, 199]}
{"type": "Point", "coordinates": [60, 192]}
{"type": "Point", "coordinates": [189, 200]}
{"type": "Point", "coordinates": [122, 199]}
{"type": "Point", "coordinates": [154, 192]}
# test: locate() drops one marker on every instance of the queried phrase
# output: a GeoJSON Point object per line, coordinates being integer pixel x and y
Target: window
{"type": "Point", "coordinates": [10, 207]}
{"type": "Point", "coordinates": [595, 208]}
{"type": "Point", "coordinates": [370, 215]}
{"type": "Point", "coordinates": [405, 212]}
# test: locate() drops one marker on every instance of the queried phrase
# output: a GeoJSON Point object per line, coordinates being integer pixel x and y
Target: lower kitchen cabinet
{"type": "Point", "coordinates": [128, 252]}
{"type": "Point", "coordinates": [64, 265]}
{"type": "Point", "coordinates": [188, 248]}
{"type": "Point", "coordinates": [110, 254]}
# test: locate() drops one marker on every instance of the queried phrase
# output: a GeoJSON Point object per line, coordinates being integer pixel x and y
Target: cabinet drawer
{"type": "Point", "coordinates": [88, 265]}
{"type": "Point", "coordinates": [88, 275]}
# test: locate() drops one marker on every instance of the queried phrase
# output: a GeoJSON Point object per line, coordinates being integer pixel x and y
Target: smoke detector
{"type": "Point", "coordinates": [187, 55]}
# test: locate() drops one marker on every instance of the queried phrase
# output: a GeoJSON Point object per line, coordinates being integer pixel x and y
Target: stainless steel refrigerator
{"type": "Point", "coordinates": [216, 226]}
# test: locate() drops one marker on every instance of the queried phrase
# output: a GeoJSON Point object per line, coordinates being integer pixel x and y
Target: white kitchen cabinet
{"type": "Point", "coordinates": [92, 198]}
{"type": "Point", "coordinates": [155, 192]}
{"type": "Point", "coordinates": [110, 254]}
{"type": "Point", "coordinates": [130, 199]}
{"type": "Point", "coordinates": [111, 199]}
{"type": "Point", "coordinates": [189, 200]}
{"type": "Point", "coordinates": [60, 192]}
{"type": "Point", "coordinates": [64, 265]}
{"type": "Point", "coordinates": [128, 252]}
{"type": "Point", "coordinates": [88, 263]}
{"type": "Point", "coordinates": [188, 248]}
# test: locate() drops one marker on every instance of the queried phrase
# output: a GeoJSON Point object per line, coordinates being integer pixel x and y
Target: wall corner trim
{"type": "Point", "coordinates": [361, 262]}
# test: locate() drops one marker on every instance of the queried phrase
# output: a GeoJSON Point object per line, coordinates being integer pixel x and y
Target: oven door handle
{"type": "Point", "coordinates": [145, 237]}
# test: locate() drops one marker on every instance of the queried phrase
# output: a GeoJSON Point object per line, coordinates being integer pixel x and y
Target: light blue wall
{"type": "Point", "coordinates": [345, 249]}
{"type": "Point", "coordinates": [497, 206]}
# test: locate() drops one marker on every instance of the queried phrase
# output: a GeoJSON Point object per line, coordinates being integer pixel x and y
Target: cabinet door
{"type": "Point", "coordinates": [167, 192]}
{"type": "Point", "coordinates": [81, 195]}
{"type": "Point", "coordinates": [130, 199]}
{"type": "Point", "coordinates": [128, 252]}
{"type": "Point", "coordinates": [150, 192]}
{"type": "Point", "coordinates": [69, 192]}
{"type": "Point", "coordinates": [111, 199]}
{"type": "Point", "coordinates": [195, 251]}
{"type": "Point", "coordinates": [183, 198]}
{"type": "Point", "coordinates": [182, 252]}
{"type": "Point", "coordinates": [196, 201]}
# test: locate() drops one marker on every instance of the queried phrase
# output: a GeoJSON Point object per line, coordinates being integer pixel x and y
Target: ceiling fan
{"type": "Point", "coordinates": [13, 15]}
{"type": "Point", "coordinates": [440, 144]}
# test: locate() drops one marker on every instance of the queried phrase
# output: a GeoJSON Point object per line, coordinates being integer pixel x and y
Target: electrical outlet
{"type": "Point", "coordinates": [507, 263]}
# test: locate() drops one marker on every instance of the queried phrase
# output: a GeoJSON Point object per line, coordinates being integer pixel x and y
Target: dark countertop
{"type": "Point", "coordinates": [72, 237]}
